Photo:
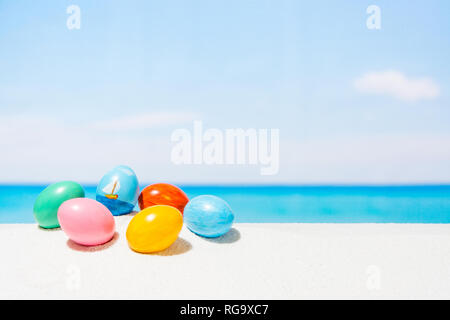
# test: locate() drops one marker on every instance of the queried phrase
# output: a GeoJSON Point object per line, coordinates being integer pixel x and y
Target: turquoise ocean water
{"type": "Point", "coordinates": [318, 204]}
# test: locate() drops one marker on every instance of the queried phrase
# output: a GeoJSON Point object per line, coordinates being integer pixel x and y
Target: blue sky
{"type": "Point", "coordinates": [351, 104]}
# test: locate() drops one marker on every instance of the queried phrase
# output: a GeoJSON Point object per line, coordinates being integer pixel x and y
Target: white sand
{"type": "Point", "coordinates": [253, 261]}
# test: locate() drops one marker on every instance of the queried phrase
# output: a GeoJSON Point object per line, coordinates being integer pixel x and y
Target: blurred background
{"type": "Point", "coordinates": [353, 104]}
{"type": "Point", "coordinates": [358, 91]}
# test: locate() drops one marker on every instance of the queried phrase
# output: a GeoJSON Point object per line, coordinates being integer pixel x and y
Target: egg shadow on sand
{"type": "Point", "coordinates": [230, 237]}
{"type": "Point", "coordinates": [49, 229]}
{"type": "Point", "coordinates": [180, 246]}
{"type": "Point", "coordinates": [133, 213]}
{"type": "Point", "coordinates": [78, 247]}
{"type": "Point", "coordinates": [129, 214]}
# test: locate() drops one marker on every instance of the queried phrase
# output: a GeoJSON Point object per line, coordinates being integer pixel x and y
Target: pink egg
{"type": "Point", "coordinates": [86, 221]}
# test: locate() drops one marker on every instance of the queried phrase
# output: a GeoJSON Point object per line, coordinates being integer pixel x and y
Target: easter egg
{"type": "Point", "coordinates": [163, 193]}
{"type": "Point", "coordinates": [154, 229]}
{"type": "Point", "coordinates": [208, 216]}
{"type": "Point", "coordinates": [118, 190]}
{"type": "Point", "coordinates": [86, 221]}
{"type": "Point", "coordinates": [47, 203]}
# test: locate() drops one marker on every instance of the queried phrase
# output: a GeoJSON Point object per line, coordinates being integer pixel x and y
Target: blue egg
{"type": "Point", "coordinates": [118, 190]}
{"type": "Point", "coordinates": [208, 216]}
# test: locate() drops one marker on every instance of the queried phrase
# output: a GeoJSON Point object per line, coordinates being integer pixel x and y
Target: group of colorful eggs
{"type": "Point", "coordinates": [163, 208]}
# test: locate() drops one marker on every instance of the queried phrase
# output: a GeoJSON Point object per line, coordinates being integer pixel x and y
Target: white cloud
{"type": "Point", "coordinates": [396, 84]}
{"type": "Point", "coordinates": [44, 149]}
{"type": "Point", "coordinates": [146, 121]}
{"type": "Point", "coordinates": [377, 158]}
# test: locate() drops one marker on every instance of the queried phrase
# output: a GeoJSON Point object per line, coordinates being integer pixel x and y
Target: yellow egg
{"type": "Point", "coordinates": [154, 229]}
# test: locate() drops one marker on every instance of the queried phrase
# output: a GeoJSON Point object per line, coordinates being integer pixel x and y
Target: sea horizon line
{"type": "Point", "coordinates": [253, 185]}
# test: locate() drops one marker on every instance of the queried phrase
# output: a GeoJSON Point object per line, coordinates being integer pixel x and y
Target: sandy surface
{"type": "Point", "coordinates": [253, 261]}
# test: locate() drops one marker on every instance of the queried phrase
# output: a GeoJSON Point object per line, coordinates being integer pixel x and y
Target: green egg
{"type": "Point", "coordinates": [47, 203]}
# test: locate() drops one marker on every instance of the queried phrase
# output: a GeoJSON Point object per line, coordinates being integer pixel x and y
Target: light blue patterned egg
{"type": "Point", "coordinates": [118, 190]}
{"type": "Point", "coordinates": [208, 216]}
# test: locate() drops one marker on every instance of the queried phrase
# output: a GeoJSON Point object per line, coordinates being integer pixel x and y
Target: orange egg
{"type": "Point", "coordinates": [163, 193]}
{"type": "Point", "coordinates": [154, 229]}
